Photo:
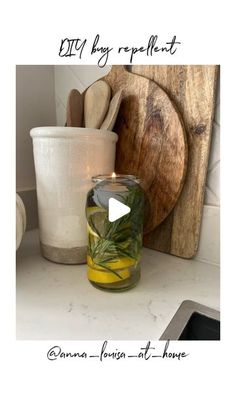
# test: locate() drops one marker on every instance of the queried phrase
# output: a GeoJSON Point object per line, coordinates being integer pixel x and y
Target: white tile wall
{"type": "Point", "coordinates": [69, 77]}
{"type": "Point", "coordinates": [212, 196]}
{"type": "Point", "coordinates": [209, 244]}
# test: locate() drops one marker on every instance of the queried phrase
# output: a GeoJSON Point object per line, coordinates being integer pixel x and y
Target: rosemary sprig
{"type": "Point", "coordinates": [118, 239]}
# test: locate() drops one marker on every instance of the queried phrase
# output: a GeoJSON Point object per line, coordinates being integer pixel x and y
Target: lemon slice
{"type": "Point", "coordinates": [92, 210]}
{"type": "Point", "coordinates": [97, 214]}
{"type": "Point", "coordinates": [105, 277]}
{"type": "Point", "coordinates": [90, 231]}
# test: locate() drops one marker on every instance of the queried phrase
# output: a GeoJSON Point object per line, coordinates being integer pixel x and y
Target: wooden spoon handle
{"type": "Point", "coordinates": [112, 113]}
{"type": "Point", "coordinates": [96, 103]}
{"type": "Point", "coordinates": [74, 110]}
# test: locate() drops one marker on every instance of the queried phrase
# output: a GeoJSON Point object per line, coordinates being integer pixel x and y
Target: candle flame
{"type": "Point", "coordinates": [113, 175]}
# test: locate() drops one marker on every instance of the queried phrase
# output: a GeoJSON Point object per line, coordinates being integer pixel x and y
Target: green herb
{"type": "Point", "coordinates": [112, 241]}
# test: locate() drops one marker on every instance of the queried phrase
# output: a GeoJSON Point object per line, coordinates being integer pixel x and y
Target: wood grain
{"type": "Point", "coordinates": [152, 142]}
{"type": "Point", "coordinates": [192, 89]}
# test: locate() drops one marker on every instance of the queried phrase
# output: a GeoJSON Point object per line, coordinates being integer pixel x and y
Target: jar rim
{"type": "Point", "coordinates": [110, 177]}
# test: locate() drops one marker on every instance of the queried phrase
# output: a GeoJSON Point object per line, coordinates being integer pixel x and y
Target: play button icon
{"type": "Point", "coordinates": [116, 209]}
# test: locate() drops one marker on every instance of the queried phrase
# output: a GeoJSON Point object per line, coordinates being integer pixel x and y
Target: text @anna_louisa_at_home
{"type": "Point", "coordinates": [146, 353]}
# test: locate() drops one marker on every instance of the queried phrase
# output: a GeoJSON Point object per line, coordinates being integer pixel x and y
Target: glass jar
{"type": "Point", "coordinates": [114, 240]}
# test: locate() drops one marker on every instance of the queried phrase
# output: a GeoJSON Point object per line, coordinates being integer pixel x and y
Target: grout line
{"type": "Point", "coordinates": [80, 83]}
{"type": "Point", "coordinates": [60, 100]}
{"type": "Point", "coordinates": [214, 165]}
{"type": "Point", "coordinates": [215, 196]}
{"type": "Point", "coordinates": [216, 123]}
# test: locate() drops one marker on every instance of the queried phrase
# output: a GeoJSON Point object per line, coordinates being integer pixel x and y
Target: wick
{"type": "Point", "coordinates": [113, 177]}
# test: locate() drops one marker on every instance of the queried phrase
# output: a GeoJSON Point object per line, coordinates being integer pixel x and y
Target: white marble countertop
{"type": "Point", "coordinates": [57, 301]}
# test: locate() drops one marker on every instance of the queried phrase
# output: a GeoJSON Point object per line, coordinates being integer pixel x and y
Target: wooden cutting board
{"type": "Point", "coordinates": [193, 90]}
{"type": "Point", "coordinates": [152, 141]}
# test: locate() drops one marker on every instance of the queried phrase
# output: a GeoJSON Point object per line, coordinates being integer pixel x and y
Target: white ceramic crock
{"type": "Point", "coordinates": [65, 160]}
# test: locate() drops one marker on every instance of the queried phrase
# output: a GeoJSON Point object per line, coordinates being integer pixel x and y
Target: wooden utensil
{"type": "Point", "coordinates": [193, 90]}
{"type": "Point", "coordinates": [112, 113]}
{"type": "Point", "coordinates": [74, 109]}
{"type": "Point", "coordinates": [96, 103]}
{"type": "Point", "coordinates": [152, 143]}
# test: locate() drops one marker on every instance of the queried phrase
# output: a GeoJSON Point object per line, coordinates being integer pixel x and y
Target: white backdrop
{"type": "Point", "coordinates": [200, 386]}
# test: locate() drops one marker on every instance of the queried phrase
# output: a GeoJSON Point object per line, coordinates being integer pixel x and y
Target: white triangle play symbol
{"type": "Point", "coordinates": [116, 209]}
